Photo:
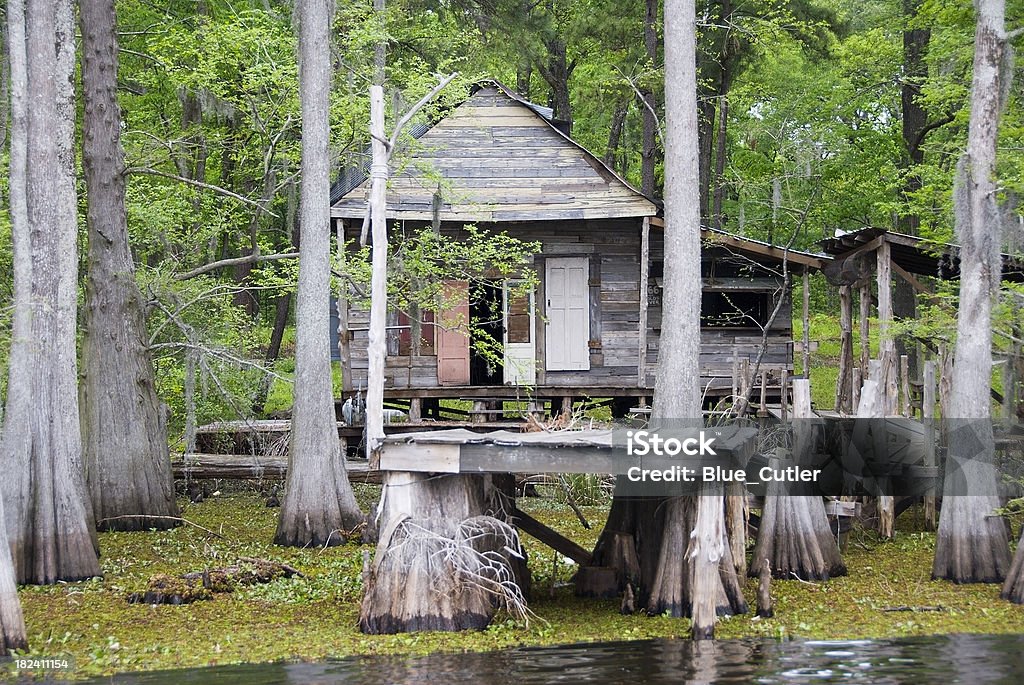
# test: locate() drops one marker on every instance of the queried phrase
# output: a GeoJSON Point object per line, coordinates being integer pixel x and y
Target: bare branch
{"type": "Point", "coordinates": [235, 261]}
{"type": "Point", "coordinates": [199, 184]}
{"type": "Point", "coordinates": [162, 518]}
{"type": "Point", "coordinates": [415, 108]}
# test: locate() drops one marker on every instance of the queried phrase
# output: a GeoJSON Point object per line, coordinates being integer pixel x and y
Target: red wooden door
{"type": "Point", "coordinates": [452, 328]}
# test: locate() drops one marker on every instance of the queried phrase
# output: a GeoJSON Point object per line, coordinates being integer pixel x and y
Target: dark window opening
{"type": "Point", "coordinates": [734, 309]}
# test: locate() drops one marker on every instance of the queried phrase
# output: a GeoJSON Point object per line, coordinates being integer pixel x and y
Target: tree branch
{"type": "Point", "coordinates": [235, 261]}
{"type": "Point", "coordinates": [199, 184]}
{"type": "Point", "coordinates": [417, 107]}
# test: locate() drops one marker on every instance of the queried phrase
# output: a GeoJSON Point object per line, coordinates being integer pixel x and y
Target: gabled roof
{"type": "Point", "coordinates": [494, 158]}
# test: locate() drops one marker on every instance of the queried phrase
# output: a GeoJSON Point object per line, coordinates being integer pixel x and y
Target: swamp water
{"type": "Point", "coordinates": [944, 659]}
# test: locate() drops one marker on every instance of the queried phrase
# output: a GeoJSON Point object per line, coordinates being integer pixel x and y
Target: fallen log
{"type": "Point", "coordinates": [201, 466]}
{"type": "Point", "coordinates": [200, 585]}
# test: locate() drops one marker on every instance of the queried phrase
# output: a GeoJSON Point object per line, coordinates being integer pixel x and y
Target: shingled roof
{"type": "Point", "coordinates": [494, 158]}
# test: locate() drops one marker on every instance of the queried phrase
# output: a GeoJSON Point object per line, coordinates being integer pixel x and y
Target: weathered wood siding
{"type": "Point", "coordinates": [720, 344]}
{"type": "Point", "coordinates": [500, 161]}
{"type": "Point", "coordinates": [613, 248]}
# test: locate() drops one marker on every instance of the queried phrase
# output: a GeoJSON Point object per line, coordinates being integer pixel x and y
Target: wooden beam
{"type": "Point", "coordinates": [550, 537]}
{"type": "Point", "coordinates": [645, 259]}
{"type": "Point", "coordinates": [777, 253]}
{"type": "Point", "coordinates": [431, 458]}
{"type": "Point", "coordinates": [909, 278]}
{"type": "Point", "coordinates": [869, 246]}
{"type": "Point", "coordinates": [865, 330]}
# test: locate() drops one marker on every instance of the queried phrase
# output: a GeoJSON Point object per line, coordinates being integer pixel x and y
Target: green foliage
{"type": "Point", "coordinates": [423, 263]}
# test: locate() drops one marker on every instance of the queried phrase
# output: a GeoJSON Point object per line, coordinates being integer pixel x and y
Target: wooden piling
{"type": "Point", "coordinates": [844, 384]}
{"type": "Point", "coordinates": [930, 436]}
{"type": "Point", "coordinates": [905, 409]}
{"type": "Point", "coordinates": [764, 595]}
{"type": "Point", "coordinates": [806, 321]}
{"type": "Point", "coordinates": [865, 332]}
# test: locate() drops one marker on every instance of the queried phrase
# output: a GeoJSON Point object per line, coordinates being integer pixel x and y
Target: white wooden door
{"type": "Point", "coordinates": [520, 362]}
{"type": "Point", "coordinates": [568, 313]}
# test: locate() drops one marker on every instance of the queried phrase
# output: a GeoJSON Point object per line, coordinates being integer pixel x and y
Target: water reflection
{"type": "Point", "coordinates": [942, 660]}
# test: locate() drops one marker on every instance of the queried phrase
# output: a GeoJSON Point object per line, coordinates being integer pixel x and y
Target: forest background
{"type": "Point", "coordinates": [816, 116]}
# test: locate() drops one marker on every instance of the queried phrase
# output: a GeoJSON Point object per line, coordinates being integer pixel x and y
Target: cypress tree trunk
{"type": "Point", "coordinates": [50, 523]}
{"type": "Point", "coordinates": [318, 506]}
{"type": "Point", "coordinates": [794, 536]}
{"type": "Point", "coordinates": [443, 562]}
{"type": "Point", "coordinates": [12, 623]}
{"type": "Point", "coordinates": [124, 435]}
{"type": "Point", "coordinates": [972, 545]}
{"type": "Point", "coordinates": [695, 569]}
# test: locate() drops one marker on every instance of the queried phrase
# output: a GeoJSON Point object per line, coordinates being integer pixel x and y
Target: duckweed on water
{"type": "Point", "coordinates": [315, 617]}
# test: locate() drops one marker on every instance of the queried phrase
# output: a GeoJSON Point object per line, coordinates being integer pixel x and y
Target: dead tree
{"type": "Point", "coordinates": [971, 546]}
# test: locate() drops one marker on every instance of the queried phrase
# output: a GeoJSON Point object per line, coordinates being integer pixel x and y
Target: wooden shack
{"type": "Point", "coordinates": [592, 327]}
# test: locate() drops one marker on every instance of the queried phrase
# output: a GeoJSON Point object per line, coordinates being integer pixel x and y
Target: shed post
{"type": "Point", "coordinates": [845, 381]}
{"type": "Point", "coordinates": [806, 323]}
{"type": "Point", "coordinates": [343, 342]}
{"type": "Point", "coordinates": [865, 329]}
{"type": "Point", "coordinates": [930, 436]}
{"type": "Point", "coordinates": [886, 344]}
{"type": "Point", "coordinates": [645, 259]}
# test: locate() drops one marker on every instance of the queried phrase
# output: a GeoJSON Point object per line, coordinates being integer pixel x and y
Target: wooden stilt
{"type": "Point", "coordinates": [930, 437]}
{"type": "Point", "coordinates": [905, 385]}
{"type": "Point", "coordinates": [865, 331]}
{"type": "Point", "coordinates": [844, 384]}
{"type": "Point", "coordinates": [886, 343]}
{"type": "Point", "coordinates": [855, 383]}
{"type": "Point", "coordinates": [784, 392]}
{"type": "Point", "coordinates": [806, 320]}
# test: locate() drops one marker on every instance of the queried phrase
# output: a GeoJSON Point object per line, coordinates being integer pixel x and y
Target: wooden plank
{"type": "Point", "coordinates": [431, 458]}
{"type": "Point", "coordinates": [550, 537]}
{"type": "Point", "coordinates": [645, 258]}
{"type": "Point", "coordinates": [538, 459]}
{"type": "Point", "coordinates": [911, 279]}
